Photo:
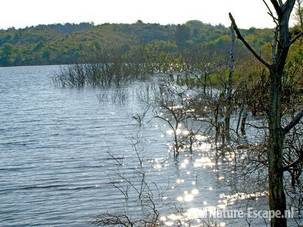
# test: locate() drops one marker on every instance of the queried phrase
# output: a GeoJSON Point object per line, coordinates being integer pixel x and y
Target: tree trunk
{"type": "Point", "coordinates": [243, 123]}
{"type": "Point", "coordinates": [204, 84]}
{"type": "Point", "coordinates": [229, 87]}
{"type": "Point", "coordinates": [239, 120]}
{"type": "Point", "coordinates": [280, 48]}
{"type": "Point", "coordinates": [277, 200]}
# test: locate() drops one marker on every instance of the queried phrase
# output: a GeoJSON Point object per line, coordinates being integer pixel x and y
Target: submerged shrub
{"type": "Point", "coordinates": [100, 75]}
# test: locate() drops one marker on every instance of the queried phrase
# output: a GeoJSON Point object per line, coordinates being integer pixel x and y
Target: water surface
{"type": "Point", "coordinates": [55, 167]}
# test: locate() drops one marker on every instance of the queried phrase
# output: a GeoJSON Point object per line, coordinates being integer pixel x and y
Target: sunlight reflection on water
{"type": "Point", "coordinates": [55, 162]}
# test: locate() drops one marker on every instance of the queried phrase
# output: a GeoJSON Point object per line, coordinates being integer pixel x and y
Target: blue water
{"type": "Point", "coordinates": [55, 167]}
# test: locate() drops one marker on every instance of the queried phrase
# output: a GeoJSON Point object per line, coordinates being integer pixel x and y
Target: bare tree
{"type": "Point", "coordinates": [282, 41]}
{"type": "Point", "coordinates": [230, 87]}
{"type": "Point", "coordinates": [146, 193]}
{"type": "Point", "coordinates": [176, 111]}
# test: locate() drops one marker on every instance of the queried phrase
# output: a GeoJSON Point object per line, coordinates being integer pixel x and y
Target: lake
{"type": "Point", "coordinates": [62, 151]}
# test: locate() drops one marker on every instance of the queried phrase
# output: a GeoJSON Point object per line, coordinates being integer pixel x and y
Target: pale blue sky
{"type": "Point", "coordinates": [21, 13]}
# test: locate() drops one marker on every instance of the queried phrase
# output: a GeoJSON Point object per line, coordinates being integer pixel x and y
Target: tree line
{"type": "Point", "coordinates": [86, 42]}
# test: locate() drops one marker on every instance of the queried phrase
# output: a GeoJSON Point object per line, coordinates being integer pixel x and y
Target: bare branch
{"type": "Point", "coordinates": [293, 123]}
{"type": "Point", "coordinates": [296, 38]}
{"type": "Point", "coordinates": [110, 219]}
{"type": "Point", "coordinates": [277, 7]}
{"type": "Point", "coordinates": [117, 159]}
{"type": "Point", "coordinates": [271, 13]}
{"type": "Point", "coordinates": [298, 161]}
{"type": "Point", "coordinates": [167, 121]}
{"type": "Point", "coordinates": [240, 37]}
{"type": "Point", "coordinates": [288, 6]}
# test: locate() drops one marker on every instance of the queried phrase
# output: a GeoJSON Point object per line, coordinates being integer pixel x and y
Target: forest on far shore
{"type": "Point", "coordinates": [87, 43]}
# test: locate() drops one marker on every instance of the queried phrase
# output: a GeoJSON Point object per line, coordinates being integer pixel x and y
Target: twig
{"type": "Point", "coordinates": [240, 37]}
{"type": "Point", "coordinates": [296, 38]}
{"type": "Point", "coordinates": [293, 123]}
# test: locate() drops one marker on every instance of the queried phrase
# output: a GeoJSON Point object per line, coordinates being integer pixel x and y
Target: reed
{"type": "Point", "coordinates": [100, 75]}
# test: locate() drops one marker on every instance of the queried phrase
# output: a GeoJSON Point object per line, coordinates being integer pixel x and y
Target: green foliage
{"type": "Point", "coordinates": [138, 42]}
{"type": "Point", "coordinates": [182, 35]}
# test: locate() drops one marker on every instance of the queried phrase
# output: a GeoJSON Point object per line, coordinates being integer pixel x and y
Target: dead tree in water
{"type": "Point", "coordinates": [280, 48]}
{"type": "Point", "coordinates": [229, 87]}
{"type": "Point", "coordinates": [146, 194]}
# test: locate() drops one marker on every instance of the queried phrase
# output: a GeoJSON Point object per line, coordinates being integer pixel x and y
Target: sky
{"type": "Point", "coordinates": [22, 13]}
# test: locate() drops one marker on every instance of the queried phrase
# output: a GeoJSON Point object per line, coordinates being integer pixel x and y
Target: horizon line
{"type": "Point", "coordinates": [115, 23]}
